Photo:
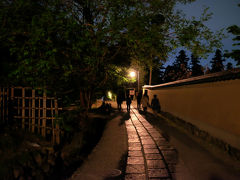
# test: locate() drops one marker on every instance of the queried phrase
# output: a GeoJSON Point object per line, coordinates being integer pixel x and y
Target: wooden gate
{"type": "Point", "coordinates": [32, 110]}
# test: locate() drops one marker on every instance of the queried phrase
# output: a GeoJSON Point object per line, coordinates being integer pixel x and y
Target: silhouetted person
{"type": "Point", "coordinates": [128, 102]}
{"type": "Point", "coordinates": [108, 108]}
{"type": "Point", "coordinates": [131, 96]}
{"type": "Point", "coordinates": [119, 101]}
{"type": "Point", "coordinates": [155, 104]}
{"type": "Point", "coordinates": [103, 106]}
{"type": "Point", "coordinates": [139, 97]}
{"type": "Point", "coordinates": [145, 102]}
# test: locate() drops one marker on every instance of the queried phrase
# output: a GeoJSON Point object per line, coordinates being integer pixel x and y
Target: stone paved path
{"type": "Point", "coordinates": [149, 154]}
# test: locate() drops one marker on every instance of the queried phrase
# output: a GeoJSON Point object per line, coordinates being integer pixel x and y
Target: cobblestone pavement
{"type": "Point", "coordinates": [149, 154]}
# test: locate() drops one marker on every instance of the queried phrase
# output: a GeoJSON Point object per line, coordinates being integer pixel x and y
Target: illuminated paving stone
{"type": "Point", "coordinates": [135, 160]}
{"type": "Point", "coordinates": [135, 168]}
{"type": "Point", "coordinates": [135, 153]}
{"type": "Point", "coordinates": [154, 164]}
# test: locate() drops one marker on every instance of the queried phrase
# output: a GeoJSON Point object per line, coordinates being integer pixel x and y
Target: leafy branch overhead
{"type": "Point", "coordinates": [235, 54]}
{"type": "Point", "coordinates": [82, 45]}
{"type": "Point", "coordinates": [197, 37]}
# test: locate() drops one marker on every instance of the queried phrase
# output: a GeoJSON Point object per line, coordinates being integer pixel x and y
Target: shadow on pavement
{"type": "Point", "coordinates": [125, 116]}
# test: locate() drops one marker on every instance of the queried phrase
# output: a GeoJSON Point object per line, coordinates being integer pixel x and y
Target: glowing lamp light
{"type": "Point", "coordinates": [110, 94]}
{"type": "Point", "coordinates": [132, 74]}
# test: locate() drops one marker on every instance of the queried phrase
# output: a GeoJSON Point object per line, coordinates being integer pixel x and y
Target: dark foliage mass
{"type": "Point", "coordinates": [79, 49]}
{"type": "Point", "coordinates": [235, 54]}
{"type": "Point", "coordinates": [217, 62]}
{"type": "Point", "coordinates": [179, 69]}
{"type": "Point", "coordinates": [197, 69]}
{"type": "Point", "coordinates": [182, 69]}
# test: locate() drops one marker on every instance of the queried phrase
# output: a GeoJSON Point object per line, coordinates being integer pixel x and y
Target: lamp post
{"type": "Point", "coordinates": [138, 81]}
{"type": "Point", "coordinates": [132, 75]}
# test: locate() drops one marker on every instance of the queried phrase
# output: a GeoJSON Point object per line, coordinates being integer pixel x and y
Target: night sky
{"type": "Point", "coordinates": [225, 13]}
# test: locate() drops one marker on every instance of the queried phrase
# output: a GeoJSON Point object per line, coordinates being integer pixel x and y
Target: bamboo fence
{"type": "Point", "coordinates": [33, 111]}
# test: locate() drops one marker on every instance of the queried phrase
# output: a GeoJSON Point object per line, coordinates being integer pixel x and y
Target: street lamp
{"type": "Point", "coordinates": [132, 74]}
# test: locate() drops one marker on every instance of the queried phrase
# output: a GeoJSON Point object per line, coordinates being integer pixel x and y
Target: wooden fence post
{"type": "Point", "coordinates": [12, 94]}
{"type": "Point", "coordinates": [23, 108]}
{"type": "Point", "coordinates": [44, 114]}
{"type": "Point", "coordinates": [52, 118]}
{"type": "Point", "coordinates": [1, 119]}
{"type": "Point", "coordinates": [56, 122]}
{"type": "Point", "coordinates": [18, 106]}
{"type": "Point", "coordinates": [7, 103]}
{"type": "Point", "coordinates": [33, 110]}
{"type": "Point", "coordinates": [3, 105]}
{"type": "Point", "coordinates": [29, 114]}
{"type": "Point", "coordinates": [12, 103]}
{"type": "Point", "coordinates": [39, 115]}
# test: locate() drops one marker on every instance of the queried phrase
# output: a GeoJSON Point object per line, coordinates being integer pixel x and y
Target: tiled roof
{"type": "Point", "coordinates": [213, 77]}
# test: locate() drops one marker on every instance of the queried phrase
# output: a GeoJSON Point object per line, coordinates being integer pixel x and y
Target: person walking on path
{"type": "Point", "coordinates": [128, 102]}
{"type": "Point", "coordinates": [119, 101]}
{"type": "Point", "coordinates": [139, 97]}
{"type": "Point", "coordinates": [155, 104]}
{"type": "Point", "coordinates": [145, 101]}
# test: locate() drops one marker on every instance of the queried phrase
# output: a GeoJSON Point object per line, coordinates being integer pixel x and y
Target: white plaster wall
{"type": "Point", "coordinates": [213, 107]}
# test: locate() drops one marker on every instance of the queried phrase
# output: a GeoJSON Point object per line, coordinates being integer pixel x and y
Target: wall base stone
{"type": "Point", "coordinates": [201, 134]}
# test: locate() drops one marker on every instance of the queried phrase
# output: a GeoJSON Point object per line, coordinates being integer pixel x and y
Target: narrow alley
{"type": "Point", "coordinates": [155, 150]}
{"type": "Point", "coordinates": [164, 152]}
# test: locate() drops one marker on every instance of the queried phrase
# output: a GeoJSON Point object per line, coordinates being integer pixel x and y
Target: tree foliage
{"type": "Point", "coordinates": [217, 62]}
{"type": "Point", "coordinates": [84, 46]}
{"type": "Point", "coordinates": [196, 69]}
{"type": "Point", "coordinates": [179, 69]}
{"type": "Point", "coordinates": [169, 74]}
{"type": "Point", "coordinates": [55, 45]}
{"type": "Point", "coordinates": [181, 65]}
{"type": "Point", "coordinates": [235, 54]}
{"type": "Point", "coordinates": [229, 66]}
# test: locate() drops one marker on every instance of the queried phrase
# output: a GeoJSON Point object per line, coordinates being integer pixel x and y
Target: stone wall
{"type": "Point", "coordinates": [211, 103]}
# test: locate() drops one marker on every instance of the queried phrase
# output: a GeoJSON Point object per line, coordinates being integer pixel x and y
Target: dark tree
{"type": "Point", "coordinates": [229, 66]}
{"type": "Point", "coordinates": [235, 54]}
{"type": "Point", "coordinates": [81, 46]}
{"type": "Point", "coordinates": [217, 62]}
{"type": "Point", "coordinates": [208, 70]}
{"type": "Point", "coordinates": [169, 74]}
{"type": "Point", "coordinates": [181, 65]}
{"type": "Point", "coordinates": [197, 69]}
{"type": "Point", "coordinates": [157, 75]}
{"type": "Point", "coordinates": [157, 72]}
